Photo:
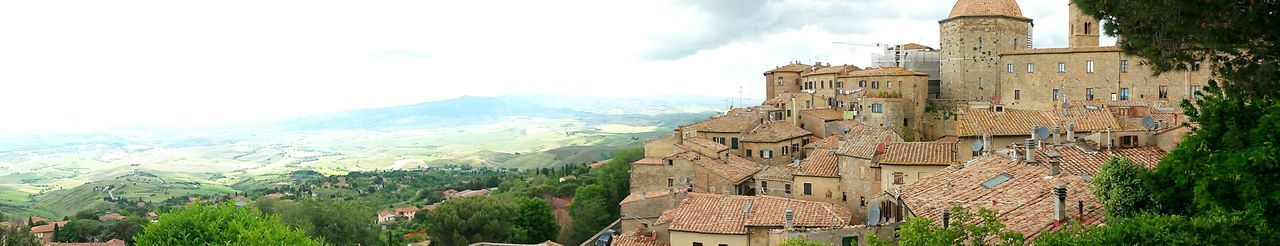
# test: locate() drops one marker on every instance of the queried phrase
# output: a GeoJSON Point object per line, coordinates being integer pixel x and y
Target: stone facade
{"type": "Point", "coordinates": [970, 54]}
{"type": "Point", "coordinates": [1103, 73]}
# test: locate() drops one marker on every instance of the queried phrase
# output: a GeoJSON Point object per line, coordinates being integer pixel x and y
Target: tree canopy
{"type": "Point", "coordinates": [17, 235]}
{"type": "Point", "coordinates": [534, 222]}
{"type": "Point", "coordinates": [590, 212]}
{"type": "Point", "coordinates": [220, 224]}
{"type": "Point", "coordinates": [965, 228]}
{"type": "Point", "coordinates": [1215, 187]}
{"type": "Point", "coordinates": [466, 220]}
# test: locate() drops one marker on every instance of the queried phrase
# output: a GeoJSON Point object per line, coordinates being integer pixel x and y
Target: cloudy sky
{"type": "Point", "coordinates": [89, 64]}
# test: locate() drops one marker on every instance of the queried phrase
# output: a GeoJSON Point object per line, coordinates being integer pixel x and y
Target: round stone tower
{"type": "Point", "coordinates": [973, 37]}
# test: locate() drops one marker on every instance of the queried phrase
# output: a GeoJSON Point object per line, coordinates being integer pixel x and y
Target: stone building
{"type": "Point", "coordinates": [890, 97]}
{"type": "Point", "coordinates": [774, 143]}
{"type": "Point", "coordinates": [784, 79]}
{"type": "Point", "coordinates": [904, 163]}
{"type": "Point", "coordinates": [973, 37]}
{"type": "Point", "coordinates": [707, 219]}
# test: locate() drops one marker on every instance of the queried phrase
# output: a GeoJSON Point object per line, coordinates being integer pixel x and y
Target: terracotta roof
{"type": "Point", "coordinates": [406, 209]}
{"type": "Point", "coordinates": [649, 161]}
{"type": "Point", "coordinates": [776, 172]}
{"type": "Point", "coordinates": [1062, 50]}
{"type": "Point", "coordinates": [825, 114]}
{"type": "Point", "coordinates": [830, 70]}
{"type": "Point", "coordinates": [820, 163]}
{"type": "Point", "coordinates": [830, 142]}
{"type": "Point", "coordinates": [714, 146]}
{"type": "Point", "coordinates": [793, 67]}
{"type": "Point", "coordinates": [110, 216]}
{"type": "Point", "coordinates": [770, 211]}
{"type": "Point", "coordinates": [1024, 202]}
{"type": "Point", "coordinates": [1082, 159]}
{"type": "Point", "coordinates": [640, 196]}
{"type": "Point", "coordinates": [862, 142]}
{"type": "Point", "coordinates": [986, 8]}
{"type": "Point", "coordinates": [1087, 119]}
{"type": "Point", "coordinates": [882, 71]}
{"type": "Point", "coordinates": [737, 120]}
{"type": "Point", "coordinates": [775, 131]}
{"type": "Point", "coordinates": [1011, 122]}
{"type": "Point", "coordinates": [919, 153]}
{"type": "Point", "coordinates": [722, 214]}
{"type": "Point", "coordinates": [1129, 124]}
{"type": "Point", "coordinates": [736, 169]}
{"type": "Point", "coordinates": [632, 238]}
{"type": "Point", "coordinates": [387, 212]}
{"type": "Point", "coordinates": [48, 227]}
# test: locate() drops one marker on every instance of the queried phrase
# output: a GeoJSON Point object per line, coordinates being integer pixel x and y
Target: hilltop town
{"type": "Point", "coordinates": [839, 153]}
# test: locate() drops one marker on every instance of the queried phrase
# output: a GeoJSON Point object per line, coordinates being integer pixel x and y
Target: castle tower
{"type": "Point", "coordinates": [1084, 28]}
{"type": "Point", "coordinates": [973, 37]}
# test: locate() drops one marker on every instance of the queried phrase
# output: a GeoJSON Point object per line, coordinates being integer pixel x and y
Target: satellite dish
{"type": "Point", "coordinates": [977, 145]}
{"type": "Point", "coordinates": [1149, 122]}
{"type": "Point", "coordinates": [1042, 133]}
{"type": "Point", "coordinates": [873, 215]}
{"type": "Point", "coordinates": [1066, 105]}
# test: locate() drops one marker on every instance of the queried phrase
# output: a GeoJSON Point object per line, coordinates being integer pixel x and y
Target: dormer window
{"type": "Point", "coordinates": [998, 109]}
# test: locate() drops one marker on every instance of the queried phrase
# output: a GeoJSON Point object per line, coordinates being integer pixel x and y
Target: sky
{"type": "Point", "coordinates": [99, 64]}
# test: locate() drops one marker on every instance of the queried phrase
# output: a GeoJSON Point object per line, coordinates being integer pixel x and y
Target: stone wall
{"type": "Point", "coordinates": [970, 51]}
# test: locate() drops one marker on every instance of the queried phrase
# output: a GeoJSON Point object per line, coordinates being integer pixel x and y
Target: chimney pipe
{"type": "Point", "coordinates": [1081, 206]}
{"type": "Point", "coordinates": [946, 218]}
{"type": "Point", "coordinates": [1071, 133]}
{"type": "Point", "coordinates": [1056, 131]}
{"type": "Point", "coordinates": [1055, 162]}
{"type": "Point", "coordinates": [788, 216]}
{"type": "Point", "coordinates": [1030, 154]}
{"type": "Point", "coordinates": [1109, 146]}
{"type": "Point", "coordinates": [986, 144]}
{"type": "Point", "coordinates": [1059, 204]}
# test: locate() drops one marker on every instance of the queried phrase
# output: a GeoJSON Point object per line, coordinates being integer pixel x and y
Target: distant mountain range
{"type": "Point", "coordinates": [468, 110]}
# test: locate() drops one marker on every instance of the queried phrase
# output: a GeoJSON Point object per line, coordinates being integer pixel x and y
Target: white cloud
{"type": "Point", "coordinates": [101, 64]}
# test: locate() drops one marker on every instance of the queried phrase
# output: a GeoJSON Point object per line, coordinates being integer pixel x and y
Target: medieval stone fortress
{"type": "Point", "coordinates": [839, 153]}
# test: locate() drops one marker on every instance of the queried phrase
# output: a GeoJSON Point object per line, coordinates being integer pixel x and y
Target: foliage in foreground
{"type": "Point", "coordinates": [965, 228]}
{"type": "Point", "coordinates": [220, 224]}
{"type": "Point", "coordinates": [18, 235]}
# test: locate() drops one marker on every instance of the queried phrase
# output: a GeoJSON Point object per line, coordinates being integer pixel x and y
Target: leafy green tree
{"type": "Point", "coordinates": [17, 235]}
{"type": "Point", "coordinates": [1119, 186]}
{"type": "Point", "coordinates": [462, 221]}
{"type": "Point", "coordinates": [534, 222]}
{"type": "Point", "coordinates": [336, 222]}
{"type": "Point", "coordinates": [127, 228]}
{"type": "Point", "coordinates": [615, 176]}
{"type": "Point", "coordinates": [966, 228]}
{"type": "Point", "coordinates": [79, 231]}
{"type": "Point", "coordinates": [590, 212]}
{"type": "Point", "coordinates": [86, 215]}
{"type": "Point", "coordinates": [1216, 186]}
{"type": "Point", "coordinates": [804, 242]}
{"type": "Point", "coordinates": [220, 224]}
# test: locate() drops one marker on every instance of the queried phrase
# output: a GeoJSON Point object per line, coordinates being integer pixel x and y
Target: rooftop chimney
{"type": "Point", "coordinates": [1109, 146]}
{"type": "Point", "coordinates": [788, 216]}
{"type": "Point", "coordinates": [1056, 130]}
{"type": "Point", "coordinates": [679, 135]}
{"type": "Point", "coordinates": [1081, 206]}
{"type": "Point", "coordinates": [793, 112]}
{"type": "Point", "coordinates": [1071, 132]}
{"type": "Point", "coordinates": [1059, 204]}
{"type": "Point", "coordinates": [946, 218]}
{"type": "Point", "coordinates": [1055, 162]}
{"type": "Point", "coordinates": [1029, 153]}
